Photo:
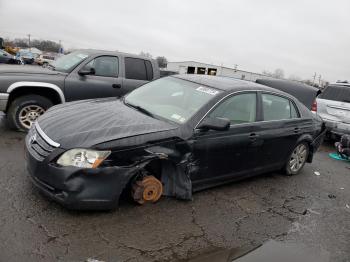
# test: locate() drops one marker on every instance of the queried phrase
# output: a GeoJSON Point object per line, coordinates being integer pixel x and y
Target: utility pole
{"type": "Point", "coordinates": [29, 41]}
{"type": "Point", "coordinates": [319, 81]}
{"type": "Point", "coordinates": [314, 77]}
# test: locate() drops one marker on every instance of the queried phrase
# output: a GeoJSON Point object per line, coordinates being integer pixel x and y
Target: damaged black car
{"type": "Point", "coordinates": [170, 137]}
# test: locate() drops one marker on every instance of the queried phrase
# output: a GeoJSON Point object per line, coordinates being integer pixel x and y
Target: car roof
{"type": "Point", "coordinates": [105, 52]}
{"type": "Point", "coordinates": [226, 83]}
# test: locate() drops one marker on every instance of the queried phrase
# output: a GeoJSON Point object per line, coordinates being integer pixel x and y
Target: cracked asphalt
{"type": "Point", "coordinates": [294, 209]}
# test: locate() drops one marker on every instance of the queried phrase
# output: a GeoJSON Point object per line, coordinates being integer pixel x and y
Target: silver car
{"type": "Point", "coordinates": [333, 106]}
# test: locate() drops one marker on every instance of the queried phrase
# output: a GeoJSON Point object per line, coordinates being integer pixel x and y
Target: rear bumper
{"type": "Point", "coordinates": [337, 128]}
{"type": "Point", "coordinates": [4, 97]}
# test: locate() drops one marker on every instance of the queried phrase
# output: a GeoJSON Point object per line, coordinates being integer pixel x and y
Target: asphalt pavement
{"type": "Point", "coordinates": [308, 209]}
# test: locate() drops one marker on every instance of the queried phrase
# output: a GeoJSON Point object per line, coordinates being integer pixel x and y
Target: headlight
{"type": "Point", "coordinates": [83, 158]}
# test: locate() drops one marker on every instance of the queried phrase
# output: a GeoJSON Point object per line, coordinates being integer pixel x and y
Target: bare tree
{"type": "Point", "coordinates": [295, 78]}
{"type": "Point", "coordinates": [278, 73]}
{"type": "Point", "coordinates": [162, 61]}
{"type": "Point", "coordinates": [43, 45]}
{"type": "Point", "coordinates": [146, 54]}
{"type": "Point", "coordinates": [46, 45]}
{"type": "Point", "coordinates": [267, 73]}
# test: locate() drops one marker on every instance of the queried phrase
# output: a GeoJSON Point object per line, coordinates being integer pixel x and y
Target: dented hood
{"type": "Point", "coordinates": [91, 122]}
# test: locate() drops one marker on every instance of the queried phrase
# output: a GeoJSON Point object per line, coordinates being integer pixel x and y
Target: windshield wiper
{"type": "Point", "coordinates": [141, 109]}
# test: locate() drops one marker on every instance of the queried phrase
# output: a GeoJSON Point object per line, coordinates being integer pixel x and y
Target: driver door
{"type": "Point", "coordinates": [103, 83]}
{"type": "Point", "coordinates": [234, 152]}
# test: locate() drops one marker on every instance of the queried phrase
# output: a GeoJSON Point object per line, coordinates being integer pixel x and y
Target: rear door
{"type": "Point", "coordinates": [334, 104]}
{"type": "Point", "coordinates": [104, 83]}
{"type": "Point", "coordinates": [138, 71]}
{"type": "Point", "coordinates": [280, 129]}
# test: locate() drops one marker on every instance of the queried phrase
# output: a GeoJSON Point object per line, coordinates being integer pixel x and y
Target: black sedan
{"type": "Point", "coordinates": [170, 137]}
{"type": "Point", "coordinates": [6, 58]}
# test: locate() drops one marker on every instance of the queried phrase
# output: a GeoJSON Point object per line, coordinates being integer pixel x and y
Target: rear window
{"type": "Point", "coordinates": [138, 69]}
{"type": "Point", "coordinates": [336, 93]}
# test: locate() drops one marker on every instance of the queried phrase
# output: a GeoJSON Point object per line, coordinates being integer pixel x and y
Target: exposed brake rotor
{"type": "Point", "coordinates": [148, 189]}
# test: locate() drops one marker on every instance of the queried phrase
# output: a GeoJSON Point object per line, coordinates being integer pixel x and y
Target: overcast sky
{"type": "Point", "coordinates": [300, 36]}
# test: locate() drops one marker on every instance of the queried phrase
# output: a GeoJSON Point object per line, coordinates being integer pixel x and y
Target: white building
{"type": "Point", "coordinates": [192, 67]}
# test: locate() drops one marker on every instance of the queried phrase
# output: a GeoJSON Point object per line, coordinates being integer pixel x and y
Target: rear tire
{"type": "Point", "coordinates": [24, 110]}
{"type": "Point", "coordinates": [297, 159]}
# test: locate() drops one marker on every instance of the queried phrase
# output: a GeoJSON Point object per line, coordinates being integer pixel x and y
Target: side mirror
{"type": "Point", "coordinates": [87, 71]}
{"type": "Point", "coordinates": [4, 54]}
{"type": "Point", "coordinates": [214, 123]}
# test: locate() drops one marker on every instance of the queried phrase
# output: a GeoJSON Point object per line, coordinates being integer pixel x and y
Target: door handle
{"type": "Point", "coordinates": [253, 136]}
{"type": "Point", "coordinates": [116, 85]}
{"type": "Point", "coordinates": [296, 130]}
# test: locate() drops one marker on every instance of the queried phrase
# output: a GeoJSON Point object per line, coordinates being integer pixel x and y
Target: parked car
{"type": "Point", "coordinates": [27, 57]}
{"type": "Point", "coordinates": [45, 60]}
{"type": "Point", "coordinates": [333, 106]}
{"type": "Point", "coordinates": [6, 58]}
{"type": "Point", "coordinates": [171, 136]}
{"type": "Point", "coordinates": [27, 92]}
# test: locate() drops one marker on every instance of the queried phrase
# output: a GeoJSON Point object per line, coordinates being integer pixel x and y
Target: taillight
{"type": "Point", "coordinates": [314, 106]}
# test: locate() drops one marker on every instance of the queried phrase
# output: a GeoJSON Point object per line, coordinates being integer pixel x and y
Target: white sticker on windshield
{"type": "Point", "coordinates": [175, 116]}
{"type": "Point", "coordinates": [207, 90]}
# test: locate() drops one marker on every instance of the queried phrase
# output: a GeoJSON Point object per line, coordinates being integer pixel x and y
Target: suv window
{"type": "Point", "coordinates": [104, 66]}
{"type": "Point", "coordinates": [138, 69]}
{"type": "Point", "coordinates": [278, 108]}
{"type": "Point", "coordinates": [238, 109]}
{"type": "Point", "coordinates": [336, 93]}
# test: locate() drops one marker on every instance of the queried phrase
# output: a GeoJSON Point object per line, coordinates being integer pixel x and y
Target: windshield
{"type": "Point", "coordinates": [171, 98]}
{"type": "Point", "coordinates": [68, 62]}
{"type": "Point", "coordinates": [4, 52]}
{"type": "Point", "coordinates": [336, 93]}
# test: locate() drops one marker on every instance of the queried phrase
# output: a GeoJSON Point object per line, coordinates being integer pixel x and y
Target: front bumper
{"type": "Point", "coordinates": [4, 97]}
{"type": "Point", "coordinates": [337, 128]}
{"type": "Point", "coordinates": [78, 188]}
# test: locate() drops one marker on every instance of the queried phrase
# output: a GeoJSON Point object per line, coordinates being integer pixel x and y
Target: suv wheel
{"type": "Point", "coordinates": [24, 110]}
{"type": "Point", "coordinates": [297, 159]}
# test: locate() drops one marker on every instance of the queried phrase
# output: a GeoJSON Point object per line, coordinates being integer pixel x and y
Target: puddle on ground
{"type": "Point", "coordinates": [270, 251]}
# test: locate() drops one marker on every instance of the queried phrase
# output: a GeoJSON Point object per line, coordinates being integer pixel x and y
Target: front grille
{"type": "Point", "coordinates": [37, 145]}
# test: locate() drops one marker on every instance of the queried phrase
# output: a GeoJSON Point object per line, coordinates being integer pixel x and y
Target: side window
{"type": "Point", "coordinates": [149, 69]}
{"type": "Point", "coordinates": [104, 66]}
{"type": "Point", "coordinates": [138, 69]}
{"type": "Point", "coordinates": [278, 108]}
{"type": "Point", "coordinates": [239, 109]}
{"type": "Point", "coordinates": [293, 110]}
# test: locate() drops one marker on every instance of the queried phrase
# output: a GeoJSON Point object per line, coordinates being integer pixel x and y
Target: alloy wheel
{"type": "Point", "coordinates": [29, 114]}
{"type": "Point", "coordinates": [298, 158]}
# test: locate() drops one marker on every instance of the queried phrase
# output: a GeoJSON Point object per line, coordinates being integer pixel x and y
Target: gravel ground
{"type": "Point", "coordinates": [294, 209]}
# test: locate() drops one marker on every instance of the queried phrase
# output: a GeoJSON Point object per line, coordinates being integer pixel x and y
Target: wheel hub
{"type": "Point", "coordinates": [149, 189]}
{"type": "Point", "coordinates": [29, 114]}
{"type": "Point", "coordinates": [298, 158]}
